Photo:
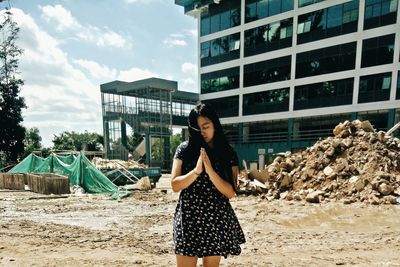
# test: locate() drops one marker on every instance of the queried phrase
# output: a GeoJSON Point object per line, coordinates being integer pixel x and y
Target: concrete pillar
{"type": "Point", "coordinates": [167, 152]}
{"type": "Point", "coordinates": [391, 118]}
{"type": "Point", "coordinates": [246, 132]}
{"type": "Point", "coordinates": [148, 148]}
{"type": "Point", "coordinates": [123, 134]}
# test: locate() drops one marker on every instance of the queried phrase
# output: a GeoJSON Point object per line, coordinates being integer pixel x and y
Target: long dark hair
{"type": "Point", "coordinates": [221, 153]}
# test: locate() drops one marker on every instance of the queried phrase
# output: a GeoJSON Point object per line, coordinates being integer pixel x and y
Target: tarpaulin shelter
{"type": "Point", "coordinates": [79, 170]}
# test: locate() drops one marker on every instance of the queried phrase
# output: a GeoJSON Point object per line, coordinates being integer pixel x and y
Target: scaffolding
{"type": "Point", "coordinates": [149, 107]}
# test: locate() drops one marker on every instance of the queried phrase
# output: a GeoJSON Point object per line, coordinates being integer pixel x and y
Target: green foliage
{"type": "Point", "coordinates": [32, 141]}
{"type": "Point", "coordinates": [157, 148]}
{"type": "Point", "coordinates": [78, 141]}
{"type": "Point", "coordinates": [12, 133]}
{"type": "Point", "coordinates": [176, 139]}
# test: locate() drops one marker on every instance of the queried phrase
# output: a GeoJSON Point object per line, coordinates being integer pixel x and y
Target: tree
{"type": "Point", "coordinates": [78, 141]}
{"type": "Point", "coordinates": [176, 139]}
{"type": "Point", "coordinates": [32, 140]}
{"type": "Point", "coordinates": [12, 133]}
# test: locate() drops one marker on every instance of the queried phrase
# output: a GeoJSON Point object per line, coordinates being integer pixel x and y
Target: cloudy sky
{"type": "Point", "coordinates": [73, 46]}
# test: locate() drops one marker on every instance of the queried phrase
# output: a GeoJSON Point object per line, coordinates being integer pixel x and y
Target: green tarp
{"type": "Point", "coordinates": [79, 170]}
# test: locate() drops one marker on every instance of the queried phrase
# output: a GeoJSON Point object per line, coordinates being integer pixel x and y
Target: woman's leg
{"type": "Point", "coordinates": [185, 261]}
{"type": "Point", "coordinates": [211, 261]}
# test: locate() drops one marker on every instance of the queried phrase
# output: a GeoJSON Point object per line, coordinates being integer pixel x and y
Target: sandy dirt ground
{"type": "Point", "coordinates": [92, 230]}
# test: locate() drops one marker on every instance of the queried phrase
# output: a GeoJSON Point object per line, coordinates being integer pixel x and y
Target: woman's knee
{"type": "Point", "coordinates": [186, 261]}
{"type": "Point", "coordinates": [211, 261]}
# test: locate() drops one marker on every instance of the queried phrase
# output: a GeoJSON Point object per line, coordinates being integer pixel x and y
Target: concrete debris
{"type": "Point", "coordinates": [358, 163]}
{"type": "Point", "coordinates": [101, 163]}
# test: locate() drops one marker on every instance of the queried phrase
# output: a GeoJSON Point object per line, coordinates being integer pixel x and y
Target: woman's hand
{"type": "Point", "coordinates": [206, 161]}
{"type": "Point", "coordinates": [199, 166]}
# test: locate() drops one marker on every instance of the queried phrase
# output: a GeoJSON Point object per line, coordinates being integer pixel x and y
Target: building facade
{"type": "Point", "coordinates": [283, 73]}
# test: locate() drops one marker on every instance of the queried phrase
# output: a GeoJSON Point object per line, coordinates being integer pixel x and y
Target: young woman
{"type": "Point", "coordinates": [205, 170]}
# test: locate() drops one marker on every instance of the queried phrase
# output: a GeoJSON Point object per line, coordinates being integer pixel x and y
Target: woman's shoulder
{"type": "Point", "coordinates": [180, 150]}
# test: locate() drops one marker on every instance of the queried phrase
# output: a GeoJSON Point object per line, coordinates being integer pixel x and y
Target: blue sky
{"type": "Point", "coordinates": [71, 47]}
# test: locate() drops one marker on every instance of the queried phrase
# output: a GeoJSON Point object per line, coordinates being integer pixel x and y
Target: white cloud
{"type": "Point", "coordinates": [65, 21]}
{"type": "Point", "coordinates": [96, 70]}
{"type": "Point", "coordinates": [192, 32]}
{"type": "Point", "coordinates": [59, 97]}
{"type": "Point", "coordinates": [135, 74]}
{"type": "Point", "coordinates": [60, 16]}
{"type": "Point", "coordinates": [188, 67]}
{"type": "Point", "coordinates": [174, 42]}
{"type": "Point", "coordinates": [176, 35]}
{"type": "Point", "coordinates": [188, 82]}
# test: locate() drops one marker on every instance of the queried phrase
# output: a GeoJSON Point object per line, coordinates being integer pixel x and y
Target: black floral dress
{"type": "Point", "coordinates": [204, 222]}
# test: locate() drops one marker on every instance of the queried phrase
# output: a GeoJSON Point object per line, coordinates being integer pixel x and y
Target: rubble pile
{"type": "Point", "coordinates": [356, 164]}
{"type": "Point", "coordinates": [101, 163]}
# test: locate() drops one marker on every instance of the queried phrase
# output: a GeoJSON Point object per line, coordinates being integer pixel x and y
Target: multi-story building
{"type": "Point", "coordinates": [283, 73]}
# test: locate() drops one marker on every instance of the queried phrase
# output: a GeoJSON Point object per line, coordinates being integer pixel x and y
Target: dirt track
{"type": "Point", "coordinates": [93, 230]}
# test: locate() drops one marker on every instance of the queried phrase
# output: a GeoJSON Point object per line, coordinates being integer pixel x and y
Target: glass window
{"type": "Point", "coordinates": [235, 17]}
{"type": "Point", "coordinates": [220, 50]}
{"type": "Point", "coordinates": [268, 71]}
{"type": "Point", "coordinates": [386, 83]}
{"type": "Point", "coordinates": [268, 37]}
{"type": "Point", "coordinates": [375, 87]}
{"type": "Point", "coordinates": [205, 26]}
{"type": "Point", "coordinates": [300, 27]}
{"type": "Point", "coordinates": [273, 33]}
{"type": "Point", "coordinates": [393, 6]}
{"type": "Point", "coordinates": [287, 5]}
{"type": "Point", "coordinates": [274, 7]}
{"type": "Point", "coordinates": [334, 16]}
{"type": "Point", "coordinates": [215, 46]}
{"type": "Point", "coordinates": [266, 102]}
{"type": "Point", "coordinates": [326, 60]}
{"type": "Point", "coordinates": [305, 2]}
{"type": "Point", "coordinates": [220, 80]}
{"type": "Point", "coordinates": [379, 13]}
{"type": "Point", "coordinates": [378, 51]}
{"type": "Point", "coordinates": [215, 23]}
{"type": "Point", "coordinates": [324, 94]}
{"type": "Point", "coordinates": [205, 50]}
{"type": "Point", "coordinates": [262, 9]}
{"type": "Point", "coordinates": [226, 20]}
{"type": "Point", "coordinates": [225, 106]}
{"type": "Point", "coordinates": [251, 12]}
{"type": "Point", "coordinates": [333, 21]}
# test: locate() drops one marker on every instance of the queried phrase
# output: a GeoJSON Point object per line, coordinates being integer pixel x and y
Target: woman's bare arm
{"type": "Point", "coordinates": [179, 181]}
{"type": "Point", "coordinates": [223, 186]}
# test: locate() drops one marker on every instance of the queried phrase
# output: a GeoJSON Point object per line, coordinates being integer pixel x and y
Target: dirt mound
{"type": "Point", "coordinates": [356, 164]}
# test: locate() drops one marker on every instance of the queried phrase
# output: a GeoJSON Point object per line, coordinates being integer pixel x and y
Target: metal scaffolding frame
{"type": "Point", "coordinates": [150, 107]}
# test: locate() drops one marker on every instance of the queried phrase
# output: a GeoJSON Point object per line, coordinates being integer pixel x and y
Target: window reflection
{"type": "Point", "coordinates": [258, 9]}
{"type": "Point", "coordinates": [220, 50]}
{"type": "Point", "coordinates": [324, 94]}
{"type": "Point", "coordinates": [265, 102]}
{"type": "Point", "coordinates": [220, 17]}
{"type": "Point", "coordinates": [378, 51]}
{"type": "Point", "coordinates": [268, 37]}
{"type": "Point", "coordinates": [379, 13]}
{"type": "Point", "coordinates": [268, 71]}
{"type": "Point", "coordinates": [225, 106]}
{"type": "Point", "coordinates": [328, 22]}
{"type": "Point", "coordinates": [220, 80]}
{"type": "Point", "coordinates": [326, 60]}
{"type": "Point", "coordinates": [375, 87]}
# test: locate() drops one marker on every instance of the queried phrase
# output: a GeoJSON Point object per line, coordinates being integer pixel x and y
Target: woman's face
{"type": "Point", "coordinates": [206, 129]}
